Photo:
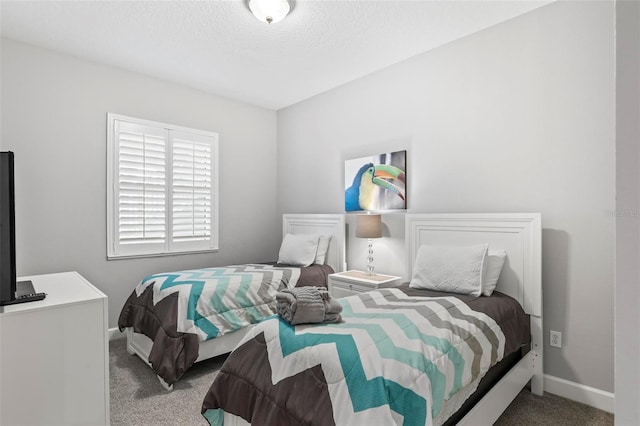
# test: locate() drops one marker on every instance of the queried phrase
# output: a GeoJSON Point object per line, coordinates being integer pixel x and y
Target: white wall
{"type": "Point", "coordinates": [516, 118]}
{"type": "Point", "coordinates": [627, 293]}
{"type": "Point", "coordinates": [54, 115]}
{"type": "Point", "coordinates": [519, 117]}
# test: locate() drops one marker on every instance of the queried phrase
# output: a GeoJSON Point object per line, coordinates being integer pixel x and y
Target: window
{"type": "Point", "coordinates": [162, 192]}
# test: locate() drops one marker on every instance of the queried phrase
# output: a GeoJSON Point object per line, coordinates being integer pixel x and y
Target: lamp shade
{"type": "Point", "coordinates": [269, 11]}
{"type": "Point", "coordinates": [369, 226]}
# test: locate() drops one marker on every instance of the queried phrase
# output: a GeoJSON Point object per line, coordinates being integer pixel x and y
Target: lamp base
{"type": "Point", "coordinates": [370, 259]}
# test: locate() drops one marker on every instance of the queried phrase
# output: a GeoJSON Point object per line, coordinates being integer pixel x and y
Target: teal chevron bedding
{"type": "Point", "coordinates": [400, 356]}
{"type": "Point", "coordinates": [177, 310]}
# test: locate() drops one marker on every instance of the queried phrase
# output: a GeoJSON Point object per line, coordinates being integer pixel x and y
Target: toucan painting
{"type": "Point", "coordinates": [376, 183]}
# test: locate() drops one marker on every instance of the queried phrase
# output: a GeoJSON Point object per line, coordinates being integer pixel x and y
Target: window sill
{"type": "Point", "coordinates": [141, 256]}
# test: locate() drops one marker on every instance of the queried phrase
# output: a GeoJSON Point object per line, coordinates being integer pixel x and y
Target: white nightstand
{"type": "Point", "coordinates": [348, 283]}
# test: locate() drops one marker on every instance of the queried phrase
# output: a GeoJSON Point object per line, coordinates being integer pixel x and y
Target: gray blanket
{"type": "Point", "coordinates": [302, 305]}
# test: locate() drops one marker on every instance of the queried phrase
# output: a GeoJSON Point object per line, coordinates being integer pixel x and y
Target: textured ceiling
{"type": "Point", "coordinates": [219, 47]}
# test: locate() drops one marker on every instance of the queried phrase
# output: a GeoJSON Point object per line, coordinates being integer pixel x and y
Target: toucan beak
{"type": "Point", "coordinates": [385, 174]}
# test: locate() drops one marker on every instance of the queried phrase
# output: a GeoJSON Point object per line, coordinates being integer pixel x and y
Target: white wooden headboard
{"type": "Point", "coordinates": [320, 224]}
{"type": "Point", "coordinates": [518, 234]}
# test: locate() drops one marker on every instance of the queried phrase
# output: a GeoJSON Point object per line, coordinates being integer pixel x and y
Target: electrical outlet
{"type": "Point", "coordinates": [555, 339]}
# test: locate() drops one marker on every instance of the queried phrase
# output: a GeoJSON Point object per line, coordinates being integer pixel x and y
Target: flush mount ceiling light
{"type": "Point", "coordinates": [269, 11]}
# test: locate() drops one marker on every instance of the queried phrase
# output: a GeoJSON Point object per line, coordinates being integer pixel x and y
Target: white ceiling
{"type": "Point", "coordinates": [219, 47]}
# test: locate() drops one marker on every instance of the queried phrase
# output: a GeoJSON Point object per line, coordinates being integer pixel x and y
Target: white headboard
{"type": "Point", "coordinates": [320, 224]}
{"type": "Point", "coordinates": [518, 234]}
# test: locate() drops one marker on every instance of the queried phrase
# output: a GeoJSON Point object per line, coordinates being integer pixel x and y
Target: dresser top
{"type": "Point", "coordinates": [61, 289]}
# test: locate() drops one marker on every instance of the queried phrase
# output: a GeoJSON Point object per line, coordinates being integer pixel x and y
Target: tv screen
{"type": "Point", "coordinates": [7, 229]}
{"type": "Point", "coordinates": [10, 291]}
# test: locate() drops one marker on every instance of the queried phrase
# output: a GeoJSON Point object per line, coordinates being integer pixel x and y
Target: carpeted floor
{"type": "Point", "coordinates": [551, 410]}
{"type": "Point", "coordinates": [137, 398]}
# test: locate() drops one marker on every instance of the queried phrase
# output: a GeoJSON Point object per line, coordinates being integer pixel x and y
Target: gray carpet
{"type": "Point", "coordinates": [137, 398]}
{"type": "Point", "coordinates": [551, 410]}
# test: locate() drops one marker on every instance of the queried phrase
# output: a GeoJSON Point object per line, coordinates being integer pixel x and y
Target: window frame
{"type": "Point", "coordinates": [115, 250]}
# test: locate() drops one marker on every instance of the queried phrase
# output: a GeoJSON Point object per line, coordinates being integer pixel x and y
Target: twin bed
{"type": "Point", "coordinates": [401, 355]}
{"type": "Point", "coordinates": [175, 319]}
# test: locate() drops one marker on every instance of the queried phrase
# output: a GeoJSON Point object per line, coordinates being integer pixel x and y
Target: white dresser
{"type": "Point", "coordinates": [54, 355]}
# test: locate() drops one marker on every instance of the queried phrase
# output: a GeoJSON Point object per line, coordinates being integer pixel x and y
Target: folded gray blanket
{"type": "Point", "coordinates": [301, 305]}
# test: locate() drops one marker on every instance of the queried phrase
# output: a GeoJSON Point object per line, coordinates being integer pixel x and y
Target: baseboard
{"type": "Point", "coordinates": [580, 393]}
{"type": "Point", "coordinates": [115, 333]}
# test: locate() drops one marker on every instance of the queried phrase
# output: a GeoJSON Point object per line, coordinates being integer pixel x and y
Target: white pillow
{"type": "Point", "coordinates": [493, 267]}
{"type": "Point", "coordinates": [455, 269]}
{"type": "Point", "coordinates": [298, 250]}
{"type": "Point", "coordinates": [323, 247]}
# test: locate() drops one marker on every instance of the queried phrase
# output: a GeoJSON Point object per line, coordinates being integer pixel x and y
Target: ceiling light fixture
{"type": "Point", "coordinates": [269, 11]}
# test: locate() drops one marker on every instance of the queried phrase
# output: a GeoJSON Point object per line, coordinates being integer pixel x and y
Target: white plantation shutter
{"type": "Point", "coordinates": [162, 188]}
{"type": "Point", "coordinates": [141, 184]}
{"type": "Point", "coordinates": [191, 188]}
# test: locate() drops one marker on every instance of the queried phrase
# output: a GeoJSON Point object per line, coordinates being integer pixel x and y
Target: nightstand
{"type": "Point", "coordinates": [348, 283]}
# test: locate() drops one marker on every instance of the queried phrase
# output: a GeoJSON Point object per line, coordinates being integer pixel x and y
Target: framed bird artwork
{"type": "Point", "coordinates": [376, 183]}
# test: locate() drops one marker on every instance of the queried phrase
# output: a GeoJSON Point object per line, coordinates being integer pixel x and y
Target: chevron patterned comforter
{"type": "Point", "coordinates": [177, 310]}
{"type": "Point", "coordinates": [401, 356]}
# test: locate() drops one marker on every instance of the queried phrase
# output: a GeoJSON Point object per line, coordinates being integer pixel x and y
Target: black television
{"type": "Point", "coordinates": [11, 291]}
